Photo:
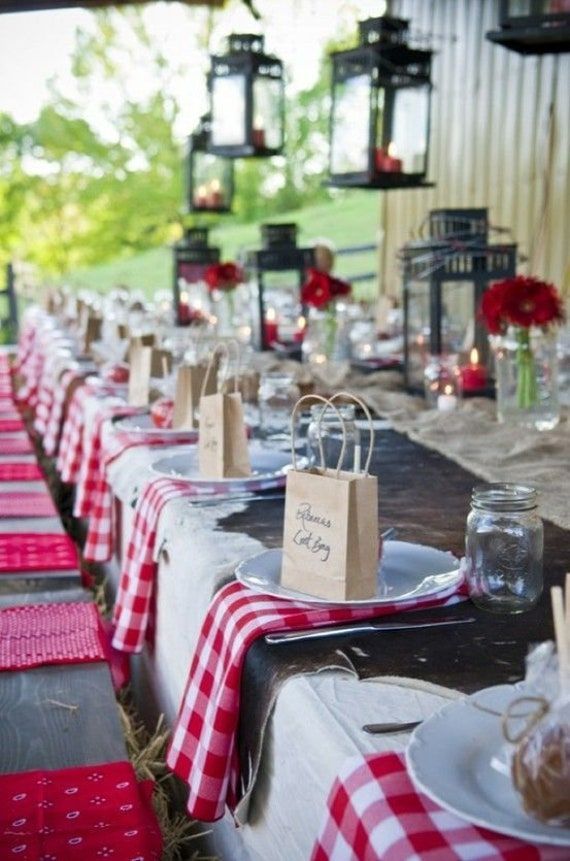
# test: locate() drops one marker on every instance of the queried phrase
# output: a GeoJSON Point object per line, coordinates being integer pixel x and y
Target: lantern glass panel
{"type": "Point", "coordinates": [267, 113]}
{"type": "Point", "coordinates": [211, 181]}
{"type": "Point", "coordinates": [457, 332]}
{"type": "Point", "coordinates": [526, 8]}
{"type": "Point", "coordinates": [410, 128]}
{"type": "Point", "coordinates": [418, 331]}
{"type": "Point", "coordinates": [229, 110]}
{"type": "Point", "coordinates": [350, 125]}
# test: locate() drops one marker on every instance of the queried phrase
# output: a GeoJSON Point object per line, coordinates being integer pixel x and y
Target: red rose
{"type": "Point", "coordinates": [320, 288]}
{"type": "Point", "coordinates": [188, 316]}
{"type": "Point", "coordinates": [161, 413]}
{"type": "Point", "coordinates": [223, 276]}
{"type": "Point", "coordinates": [520, 301]}
{"type": "Point", "coordinates": [117, 373]}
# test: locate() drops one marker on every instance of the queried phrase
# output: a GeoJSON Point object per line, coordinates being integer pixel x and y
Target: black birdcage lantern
{"type": "Point", "coordinates": [444, 278]}
{"type": "Point", "coordinates": [210, 177]}
{"type": "Point", "coordinates": [247, 100]}
{"type": "Point", "coordinates": [380, 115]}
{"type": "Point", "coordinates": [534, 26]}
{"type": "Point", "coordinates": [278, 268]}
{"type": "Point", "coordinates": [192, 256]}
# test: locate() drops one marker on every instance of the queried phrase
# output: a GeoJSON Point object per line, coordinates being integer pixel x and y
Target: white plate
{"type": "Point", "coordinates": [141, 425]}
{"type": "Point", "coordinates": [407, 571]}
{"type": "Point", "coordinates": [267, 465]}
{"type": "Point", "coordinates": [449, 758]}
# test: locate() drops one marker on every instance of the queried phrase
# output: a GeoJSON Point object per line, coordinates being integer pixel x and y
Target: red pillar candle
{"type": "Point", "coordinates": [474, 375]}
{"type": "Point", "coordinates": [300, 333]}
{"type": "Point", "coordinates": [386, 161]}
{"type": "Point", "coordinates": [258, 138]}
{"type": "Point", "coordinates": [215, 195]}
{"type": "Point", "coordinates": [271, 327]}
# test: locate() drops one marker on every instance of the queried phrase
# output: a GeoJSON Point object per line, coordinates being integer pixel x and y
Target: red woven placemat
{"type": "Point", "coordinates": [37, 634]}
{"type": "Point", "coordinates": [21, 504]}
{"type": "Point", "coordinates": [20, 472]}
{"type": "Point", "coordinates": [31, 552]}
{"type": "Point", "coordinates": [15, 445]}
{"type": "Point", "coordinates": [11, 425]}
{"type": "Point", "coordinates": [78, 814]}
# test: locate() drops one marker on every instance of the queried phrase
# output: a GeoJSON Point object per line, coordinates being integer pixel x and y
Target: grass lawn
{"type": "Point", "coordinates": [350, 219]}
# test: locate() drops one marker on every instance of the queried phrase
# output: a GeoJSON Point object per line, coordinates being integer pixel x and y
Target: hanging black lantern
{"type": "Point", "coordinates": [280, 266]}
{"type": "Point", "coordinates": [444, 278]}
{"type": "Point", "coordinates": [247, 100]}
{"type": "Point", "coordinates": [192, 255]}
{"type": "Point", "coordinates": [534, 26]}
{"type": "Point", "coordinates": [210, 177]}
{"type": "Point", "coordinates": [380, 113]}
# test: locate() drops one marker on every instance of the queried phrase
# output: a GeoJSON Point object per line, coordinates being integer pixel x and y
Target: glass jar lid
{"type": "Point", "coordinates": [504, 497]}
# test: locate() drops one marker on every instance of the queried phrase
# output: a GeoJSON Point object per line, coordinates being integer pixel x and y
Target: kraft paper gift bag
{"type": "Point", "coordinates": [330, 535]}
{"type": "Point", "coordinates": [139, 374]}
{"type": "Point", "coordinates": [189, 382]}
{"type": "Point", "coordinates": [222, 441]}
{"type": "Point", "coordinates": [160, 363]}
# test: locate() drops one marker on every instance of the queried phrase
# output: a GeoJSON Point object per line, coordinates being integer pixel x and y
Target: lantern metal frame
{"type": "Point", "coordinates": [246, 58]}
{"type": "Point", "coordinates": [390, 64]}
{"type": "Point", "coordinates": [456, 251]}
{"type": "Point", "coordinates": [280, 253]}
{"type": "Point", "coordinates": [198, 146]}
{"type": "Point", "coordinates": [192, 250]}
{"type": "Point", "coordinates": [538, 32]}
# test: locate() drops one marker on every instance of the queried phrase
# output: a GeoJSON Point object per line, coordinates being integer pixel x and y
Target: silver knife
{"type": "Point", "coordinates": [318, 633]}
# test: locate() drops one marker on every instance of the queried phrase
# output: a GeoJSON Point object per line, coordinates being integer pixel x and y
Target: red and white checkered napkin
{"type": "Point", "coordinates": [203, 747]}
{"type": "Point", "coordinates": [374, 811]}
{"type": "Point", "coordinates": [92, 457]}
{"type": "Point", "coordinates": [71, 445]}
{"type": "Point", "coordinates": [31, 370]}
{"type": "Point", "coordinates": [37, 552]}
{"type": "Point", "coordinates": [133, 604]}
{"type": "Point", "coordinates": [100, 531]}
{"type": "Point", "coordinates": [37, 634]}
{"type": "Point", "coordinates": [46, 392]}
{"type": "Point", "coordinates": [55, 417]}
{"type": "Point", "coordinates": [17, 503]}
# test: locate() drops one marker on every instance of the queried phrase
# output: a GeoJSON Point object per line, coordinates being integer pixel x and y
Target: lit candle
{"type": "Point", "coordinates": [474, 375]}
{"type": "Point", "coordinates": [214, 196]}
{"type": "Point", "coordinates": [386, 160]}
{"type": "Point", "coordinates": [447, 402]}
{"type": "Point", "coordinates": [201, 196]}
{"type": "Point", "coordinates": [271, 327]}
{"type": "Point", "coordinates": [258, 134]}
{"type": "Point", "coordinates": [300, 333]}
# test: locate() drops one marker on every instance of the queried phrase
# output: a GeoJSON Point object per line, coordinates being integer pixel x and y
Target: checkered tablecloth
{"type": "Point", "coordinates": [56, 415]}
{"type": "Point", "coordinates": [100, 532]}
{"type": "Point", "coordinates": [203, 748]}
{"type": "Point", "coordinates": [374, 811]}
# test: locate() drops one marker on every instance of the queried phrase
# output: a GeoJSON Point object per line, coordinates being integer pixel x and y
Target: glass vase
{"type": "Point", "coordinates": [526, 374]}
{"type": "Point", "coordinates": [326, 338]}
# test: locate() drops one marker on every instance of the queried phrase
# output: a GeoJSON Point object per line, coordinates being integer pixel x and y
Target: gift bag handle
{"type": "Point", "coordinates": [364, 408]}
{"type": "Point", "coordinates": [327, 403]}
{"type": "Point", "coordinates": [221, 347]}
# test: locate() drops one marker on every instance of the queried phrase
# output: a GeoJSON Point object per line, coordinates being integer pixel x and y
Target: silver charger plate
{"type": "Point", "coordinates": [449, 759]}
{"type": "Point", "coordinates": [406, 571]}
{"type": "Point", "coordinates": [142, 426]}
{"type": "Point", "coordinates": [267, 466]}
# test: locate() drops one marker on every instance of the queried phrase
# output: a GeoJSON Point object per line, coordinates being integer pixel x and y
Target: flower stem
{"type": "Point", "coordinates": [330, 329]}
{"type": "Point", "coordinates": [527, 390]}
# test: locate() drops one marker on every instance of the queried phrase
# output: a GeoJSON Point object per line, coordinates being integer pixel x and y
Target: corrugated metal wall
{"type": "Point", "coordinates": [500, 138]}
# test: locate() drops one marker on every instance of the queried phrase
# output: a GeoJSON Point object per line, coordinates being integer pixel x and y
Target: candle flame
{"type": "Point", "coordinates": [301, 323]}
{"type": "Point", "coordinates": [474, 356]}
{"type": "Point", "coordinates": [448, 390]}
{"type": "Point", "coordinates": [392, 149]}
{"type": "Point", "coordinates": [184, 297]}
{"type": "Point", "coordinates": [202, 191]}
{"type": "Point", "coordinates": [215, 185]}
{"type": "Point", "coordinates": [271, 315]}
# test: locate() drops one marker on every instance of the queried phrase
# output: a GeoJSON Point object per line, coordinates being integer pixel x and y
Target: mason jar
{"type": "Point", "coordinates": [503, 548]}
{"type": "Point", "coordinates": [325, 425]}
{"type": "Point", "coordinates": [278, 394]}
